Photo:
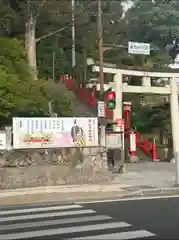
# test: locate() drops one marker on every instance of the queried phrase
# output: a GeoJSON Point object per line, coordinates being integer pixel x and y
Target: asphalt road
{"type": "Point", "coordinates": [136, 219]}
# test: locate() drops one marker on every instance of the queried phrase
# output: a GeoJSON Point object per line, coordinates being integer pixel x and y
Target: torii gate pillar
{"type": "Point", "coordinates": [117, 112]}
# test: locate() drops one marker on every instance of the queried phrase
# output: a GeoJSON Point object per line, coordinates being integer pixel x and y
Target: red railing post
{"type": "Point", "coordinates": [154, 152]}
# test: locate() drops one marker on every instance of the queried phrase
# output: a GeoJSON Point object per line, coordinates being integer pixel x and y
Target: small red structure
{"type": "Point", "coordinates": [127, 112]}
{"type": "Point", "coordinates": [64, 77]}
{"type": "Point", "coordinates": [154, 152]}
{"type": "Point", "coordinates": [141, 141]}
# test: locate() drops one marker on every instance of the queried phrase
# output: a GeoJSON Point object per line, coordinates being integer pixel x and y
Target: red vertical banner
{"type": "Point", "coordinates": [88, 95]}
{"type": "Point", "coordinates": [127, 123]}
{"type": "Point", "coordinates": [93, 97]}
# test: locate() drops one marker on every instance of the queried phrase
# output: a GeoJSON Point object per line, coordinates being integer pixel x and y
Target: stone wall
{"type": "Point", "coordinates": [45, 167]}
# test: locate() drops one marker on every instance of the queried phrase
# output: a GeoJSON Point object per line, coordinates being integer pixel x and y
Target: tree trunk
{"type": "Point", "coordinates": [30, 40]}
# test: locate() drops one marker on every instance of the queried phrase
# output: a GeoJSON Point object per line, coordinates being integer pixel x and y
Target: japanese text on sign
{"type": "Point", "coordinates": [54, 132]}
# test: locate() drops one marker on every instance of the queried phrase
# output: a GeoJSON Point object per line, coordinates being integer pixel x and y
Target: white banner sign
{"type": "Point", "coordinates": [139, 48]}
{"type": "Point", "coordinates": [132, 142]}
{"type": "Point", "coordinates": [101, 109]}
{"type": "Point", "coordinates": [2, 140]}
{"type": "Point", "coordinates": [54, 132]}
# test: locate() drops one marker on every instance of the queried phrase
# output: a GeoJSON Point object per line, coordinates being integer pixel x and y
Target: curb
{"type": "Point", "coordinates": [153, 192]}
{"type": "Point", "coordinates": [64, 189]}
{"type": "Point", "coordinates": [86, 188]}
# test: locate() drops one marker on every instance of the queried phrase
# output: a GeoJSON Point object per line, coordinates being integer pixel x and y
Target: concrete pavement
{"type": "Point", "coordinates": [148, 174]}
{"type": "Point", "coordinates": [62, 193]}
{"type": "Point", "coordinates": [140, 179]}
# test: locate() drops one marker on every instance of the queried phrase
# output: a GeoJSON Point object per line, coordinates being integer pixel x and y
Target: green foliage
{"type": "Point", "coordinates": [13, 58]}
{"type": "Point", "coordinates": [45, 52]}
{"type": "Point", "coordinates": [20, 96]}
{"type": "Point", "coordinates": [62, 100]}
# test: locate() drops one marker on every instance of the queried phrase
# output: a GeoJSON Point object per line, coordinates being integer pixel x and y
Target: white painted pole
{"type": "Point", "coordinates": [174, 108]}
{"type": "Point", "coordinates": [118, 90]}
{"type": "Point", "coordinates": [118, 115]}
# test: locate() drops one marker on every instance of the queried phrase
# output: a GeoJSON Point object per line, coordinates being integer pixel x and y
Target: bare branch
{"type": "Point", "coordinates": [52, 33]}
{"type": "Point", "coordinates": [41, 5]}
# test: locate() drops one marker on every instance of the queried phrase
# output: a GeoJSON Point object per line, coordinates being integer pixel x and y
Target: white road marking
{"type": "Point", "coordinates": [31, 210]}
{"type": "Point", "coordinates": [53, 222]}
{"type": "Point", "coordinates": [119, 236]}
{"type": "Point", "coordinates": [45, 215]}
{"type": "Point", "coordinates": [50, 232]}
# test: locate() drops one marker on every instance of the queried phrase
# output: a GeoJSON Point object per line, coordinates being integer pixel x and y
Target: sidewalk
{"type": "Point", "coordinates": [148, 174]}
{"type": "Point", "coordinates": [140, 179]}
{"type": "Point", "coordinates": [62, 193]}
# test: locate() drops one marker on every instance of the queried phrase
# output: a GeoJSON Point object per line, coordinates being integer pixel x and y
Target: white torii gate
{"type": "Point", "coordinates": [172, 89]}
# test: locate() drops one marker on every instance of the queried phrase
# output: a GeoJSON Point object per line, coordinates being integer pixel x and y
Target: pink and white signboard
{"type": "Point", "coordinates": [54, 132]}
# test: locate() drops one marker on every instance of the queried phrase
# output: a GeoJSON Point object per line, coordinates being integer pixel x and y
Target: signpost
{"type": "Point", "coordinates": [119, 125]}
{"type": "Point", "coordinates": [101, 109]}
{"type": "Point", "coordinates": [113, 140]}
{"type": "Point", "coordinates": [127, 106]}
{"type": "Point", "coordinates": [139, 48]}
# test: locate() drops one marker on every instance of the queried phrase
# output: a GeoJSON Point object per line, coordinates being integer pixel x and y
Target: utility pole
{"type": "Point", "coordinates": [100, 35]}
{"type": "Point", "coordinates": [101, 73]}
{"type": "Point", "coordinates": [53, 66]}
{"type": "Point", "coordinates": [73, 34]}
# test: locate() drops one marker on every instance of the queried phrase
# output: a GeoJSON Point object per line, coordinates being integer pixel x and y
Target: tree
{"type": "Point", "coordinates": [45, 52]}
{"type": "Point", "coordinates": [30, 12]}
{"type": "Point", "coordinates": [20, 95]}
{"type": "Point", "coordinates": [13, 58]}
{"type": "Point", "coordinates": [9, 20]}
{"type": "Point", "coordinates": [62, 100]}
{"type": "Point", "coordinates": [17, 92]}
{"type": "Point", "coordinates": [154, 28]}
{"type": "Point", "coordinates": [44, 17]}
{"type": "Point", "coordinates": [145, 23]}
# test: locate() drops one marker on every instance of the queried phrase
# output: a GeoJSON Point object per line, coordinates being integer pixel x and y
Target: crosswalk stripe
{"type": "Point", "coordinates": [119, 236]}
{"type": "Point", "coordinates": [67, 230]}
{"type": "Point", "coordinates": [44, 215]}
{"type": "Point", "coordinates": [31, 210]}
{"type": "Point", "coordinates": [53, 222]}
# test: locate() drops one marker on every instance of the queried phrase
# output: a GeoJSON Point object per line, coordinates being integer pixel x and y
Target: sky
{"type": "Point", "coordinates": [126, 5]}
